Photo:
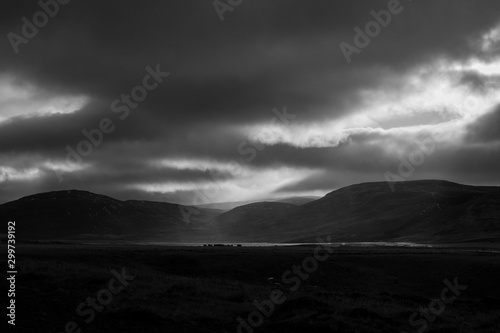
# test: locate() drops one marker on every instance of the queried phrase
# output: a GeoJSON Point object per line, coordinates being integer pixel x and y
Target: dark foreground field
{"type": "Point", "coordinates": [205, 289]}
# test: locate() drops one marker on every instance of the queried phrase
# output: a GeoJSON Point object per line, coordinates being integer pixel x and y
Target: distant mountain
{"type": "Point", "coordinates": [225, 206]}
{"type": "Point", "coordinates": [230, 205]}
{"type": "Point", "coordinates": [250, 220]}
{"type": "Point", "coordinates": [299, 201]}
{"type": "Point", "coordinates": [419, 211]}
{"type": "Point", "coordinates": [427, 211]}
{"type": "Point", "coordinates": [80, 214]}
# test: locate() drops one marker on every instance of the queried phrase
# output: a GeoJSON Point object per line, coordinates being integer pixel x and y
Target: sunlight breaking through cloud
{"type": "Point", "coordinates": [19, 98]}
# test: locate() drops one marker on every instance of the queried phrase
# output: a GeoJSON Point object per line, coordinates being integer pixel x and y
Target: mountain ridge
{"type": "Point", "coordinates": [428, 211]}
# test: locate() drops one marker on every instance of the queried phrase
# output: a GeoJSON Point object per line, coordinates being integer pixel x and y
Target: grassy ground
{"type": "Point", "coordinates": [205, 289]}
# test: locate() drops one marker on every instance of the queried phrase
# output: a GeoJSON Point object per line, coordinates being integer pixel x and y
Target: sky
{"type": "Point", "coordinates": [192, 101]}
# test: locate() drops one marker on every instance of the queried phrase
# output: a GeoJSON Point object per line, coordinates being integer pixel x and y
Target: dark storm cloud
{"type": "Point", "coordinates": [354, 163]}
{"type": "Point", "coordinates": [224, 76]}
{"type": "Point", "coordinates": [474, 80]}
{"type": "Point", "coordinates": [53, 132]}
{"type": "Point", "coordinates": [111, 175]}
{"type": "Point", "coordinates": [486, 129]}
{"type": "Point", "coordinates": [265, 54]}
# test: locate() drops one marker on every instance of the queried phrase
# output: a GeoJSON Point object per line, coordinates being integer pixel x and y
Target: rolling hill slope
{"type": "Point", "coordinates": [256, 219]}
{"type": "Point", "coordinates": [427, 211]}
{"type": "Point", "coordinates": [420, 211]}
{"type": "Point", "coordinates": [226, 206]}
{"type": "Point", "coordinates": [81, 214]}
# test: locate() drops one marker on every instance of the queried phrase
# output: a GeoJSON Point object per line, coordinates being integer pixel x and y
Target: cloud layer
{"type": "Point", "coordinates": [262, 104]}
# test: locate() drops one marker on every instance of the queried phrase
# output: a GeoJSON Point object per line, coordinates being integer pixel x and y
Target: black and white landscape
{"type": "Point", "coordinates": [426, 211]}
{"type": "Point", "coordinates": [250, 166]}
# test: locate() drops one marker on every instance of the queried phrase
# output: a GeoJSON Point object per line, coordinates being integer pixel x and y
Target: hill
{"type": "Point", "coordinates": [427, 211]}
{"type": "Point", "coordinates": [225, 206]}
{"type": "Point", "coordinates": [246, 222]}
{"type": "Point", "coordinates": [419, 211]}
{"type": "Point", "coordinates": [85, 215]}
